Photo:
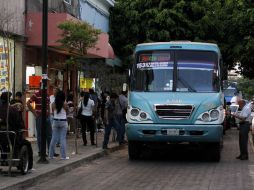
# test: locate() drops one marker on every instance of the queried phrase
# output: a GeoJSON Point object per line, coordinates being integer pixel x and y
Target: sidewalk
{"type": "Point", "coordinates": [43, 172]}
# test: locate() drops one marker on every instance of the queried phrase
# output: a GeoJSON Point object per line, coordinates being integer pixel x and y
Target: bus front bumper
{"type": "Point", "coordinates": [174, 133]}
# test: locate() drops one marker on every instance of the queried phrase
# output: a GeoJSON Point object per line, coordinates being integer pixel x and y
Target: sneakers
{"type": "Point", "coordinates": [242, 157]}
{"type": "Point", "coordinates": [66, 158]}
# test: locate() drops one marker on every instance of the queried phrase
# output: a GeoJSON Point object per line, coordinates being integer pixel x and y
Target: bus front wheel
{"type": "Point", "coordinates": [215, 151]}
{"type": "Point", "coordinates": [134, 150]}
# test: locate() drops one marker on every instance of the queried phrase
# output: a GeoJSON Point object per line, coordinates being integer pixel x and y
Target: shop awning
{"type": "Point", "coordinates": [34, 35]}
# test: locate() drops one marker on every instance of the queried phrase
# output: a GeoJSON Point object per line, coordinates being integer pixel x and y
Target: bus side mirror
{"type": "Point", "coordinates": [129, 73]}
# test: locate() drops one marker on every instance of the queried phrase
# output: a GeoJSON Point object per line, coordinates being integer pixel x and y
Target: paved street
{"type": "Point", "coordinates": [116, 172]}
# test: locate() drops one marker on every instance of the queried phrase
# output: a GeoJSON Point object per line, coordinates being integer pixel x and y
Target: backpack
{"type": "Point", "coordinates": [115, 107]}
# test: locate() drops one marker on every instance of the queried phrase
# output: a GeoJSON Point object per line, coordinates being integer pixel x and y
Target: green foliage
{"type": "Point", "coordinates": [246, 86]}
{"type": "Point", "coordinates": [229, 23]}
{"type": "Point", "coordinates": [78, 36]}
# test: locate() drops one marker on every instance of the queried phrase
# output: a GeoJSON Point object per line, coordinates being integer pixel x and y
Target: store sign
{"type": "Point", "coordinates": [34, 81]}
{"type": "Point", "coordinates": [6, 64]}
{"type": "Point", "coordinates": [86, 83]}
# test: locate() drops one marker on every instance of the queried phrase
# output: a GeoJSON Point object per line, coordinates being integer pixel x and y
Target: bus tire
{"type": "Point", "coordinates": [134, 150]}
{"type": "Point", "coordinates": [215, 151]}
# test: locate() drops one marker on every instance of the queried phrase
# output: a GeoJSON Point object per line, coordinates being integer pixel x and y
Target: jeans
{"type": "Point", "coordinates": [59, 130]}
{"type": "Point", "coordinates": [112, 123]}
{"type": "Point", "coordinates": [38, 131]}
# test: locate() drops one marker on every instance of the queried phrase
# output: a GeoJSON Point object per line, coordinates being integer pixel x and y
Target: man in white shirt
{"type": "Point", "coordinates": [245, 122]}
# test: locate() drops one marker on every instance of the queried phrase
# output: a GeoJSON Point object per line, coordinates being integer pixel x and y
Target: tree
{"type": "Point", "coordinates": [246, 86]}
{"type": "Point", "coordinates": [229, 23]}
{"type": "Point", "coordinates": [77, 37]}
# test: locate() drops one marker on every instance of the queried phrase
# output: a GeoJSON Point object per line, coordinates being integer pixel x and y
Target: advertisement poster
{"type": "Point", "coordinates": [86, 83]}
{"type": "Point", "coordinates": [6, 63]}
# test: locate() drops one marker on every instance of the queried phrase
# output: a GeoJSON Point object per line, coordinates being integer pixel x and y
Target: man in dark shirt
{"type": "Point", "coordinates": [113, 115]}
{"type": "Point", "coordinates": [14, 121]}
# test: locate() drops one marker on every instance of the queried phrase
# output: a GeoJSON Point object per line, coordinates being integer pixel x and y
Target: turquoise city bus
{"type": "Point", "coordinates": [175, 96]}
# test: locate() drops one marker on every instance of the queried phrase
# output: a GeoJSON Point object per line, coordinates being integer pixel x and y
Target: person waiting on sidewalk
{"type": "Point", "coordinates": [60, 125]}
{"type": "Point", "coordinates": [15, 123]}
{"type": "Point", "coordinates": [70, 113]}
{"type": "Point", "coordinates": [51, 101]}
{"type": "Point", "coordinates": [87, 118]}
{"type": "Point", "coordinates": [123, 104]}
{"type": "Point", "coordinates": [17, 104]}
{"type": "Point", "coordinates": [245, 122]}
{"type": "Point", "coordinates": [113, 118]}
{"type": "Point", "coordinates": [37, 98]}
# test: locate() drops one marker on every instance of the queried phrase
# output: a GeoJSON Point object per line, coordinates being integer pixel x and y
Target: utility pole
{"type": "Point", "coordinates": [44, 81]}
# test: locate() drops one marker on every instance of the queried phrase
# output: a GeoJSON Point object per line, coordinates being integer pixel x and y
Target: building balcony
{"type": "Point", "coordinates": [102, 48]}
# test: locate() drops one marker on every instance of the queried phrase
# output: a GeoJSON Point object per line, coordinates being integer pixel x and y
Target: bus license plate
{"type": "Point", "coordinates": [173, 132]}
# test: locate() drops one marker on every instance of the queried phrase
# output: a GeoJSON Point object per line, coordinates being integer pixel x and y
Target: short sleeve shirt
{"type": "Point", "coordinates": [37, 98]}
{"type": "Point", "coordinates": [246, 112]}
{"type": "Point", "coordinates": [88, 109]}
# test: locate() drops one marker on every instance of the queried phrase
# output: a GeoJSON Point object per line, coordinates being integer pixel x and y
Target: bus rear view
{"type": "Point", "coordinates": [175, 96]}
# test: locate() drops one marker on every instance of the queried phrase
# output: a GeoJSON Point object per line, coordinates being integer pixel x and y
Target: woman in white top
{"type": "Point", "coordinates": [87, 119]}
{"type": "Point", "coordinates": [59, 127]}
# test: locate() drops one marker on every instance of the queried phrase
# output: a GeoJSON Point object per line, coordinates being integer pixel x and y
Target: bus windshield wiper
{"type": "Point", "coordinates": [186, 84]}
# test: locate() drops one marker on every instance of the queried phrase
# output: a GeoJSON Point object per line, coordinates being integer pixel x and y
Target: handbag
{"type": "Point", "coordinates": [79, 115]}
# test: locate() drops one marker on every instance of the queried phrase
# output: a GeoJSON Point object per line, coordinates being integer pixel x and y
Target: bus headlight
{"type": "Point", "coordinates": [137, 115]}
{"type": "Point", "coordinates": [143, 115]}
{"type": "Point", "coordinates": [214, 116]}
{"type": "Point", "coordinates": [134, 112]}
{"type": "Point", "coordinates": [205, 117]}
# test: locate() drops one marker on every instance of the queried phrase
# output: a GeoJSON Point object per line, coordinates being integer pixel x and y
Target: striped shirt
{"type": "Point", "coordinates": [37, 99]}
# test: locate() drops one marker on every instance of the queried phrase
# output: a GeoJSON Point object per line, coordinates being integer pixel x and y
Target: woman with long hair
{"type": "Point", "coordinates": [87, 119]}
{"type": "Point", "coordinates": [59, 127]}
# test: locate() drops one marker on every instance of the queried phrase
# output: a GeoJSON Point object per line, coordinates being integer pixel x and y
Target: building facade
{"type": "Point", "coordinates": [96, 13]}
{"type": "Point", "coordinates": [12, 38]}
{"type": "Point", "coordinates": [61, 75]}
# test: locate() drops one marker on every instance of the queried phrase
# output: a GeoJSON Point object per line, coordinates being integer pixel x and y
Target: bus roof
{"type": "Point", "coordinates": [184, 45]}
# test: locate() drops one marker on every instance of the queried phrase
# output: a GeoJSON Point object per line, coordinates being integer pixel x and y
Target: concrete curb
{"type": "Point", "coordinates": [31, 179]}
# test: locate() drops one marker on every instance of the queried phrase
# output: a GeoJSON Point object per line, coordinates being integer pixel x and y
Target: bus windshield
{"type": "Point", "coordinates": [178, 70]}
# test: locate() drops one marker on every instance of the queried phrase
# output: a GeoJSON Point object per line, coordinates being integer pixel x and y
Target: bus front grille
{"type": "Point", "coordinates": [174, 111]}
